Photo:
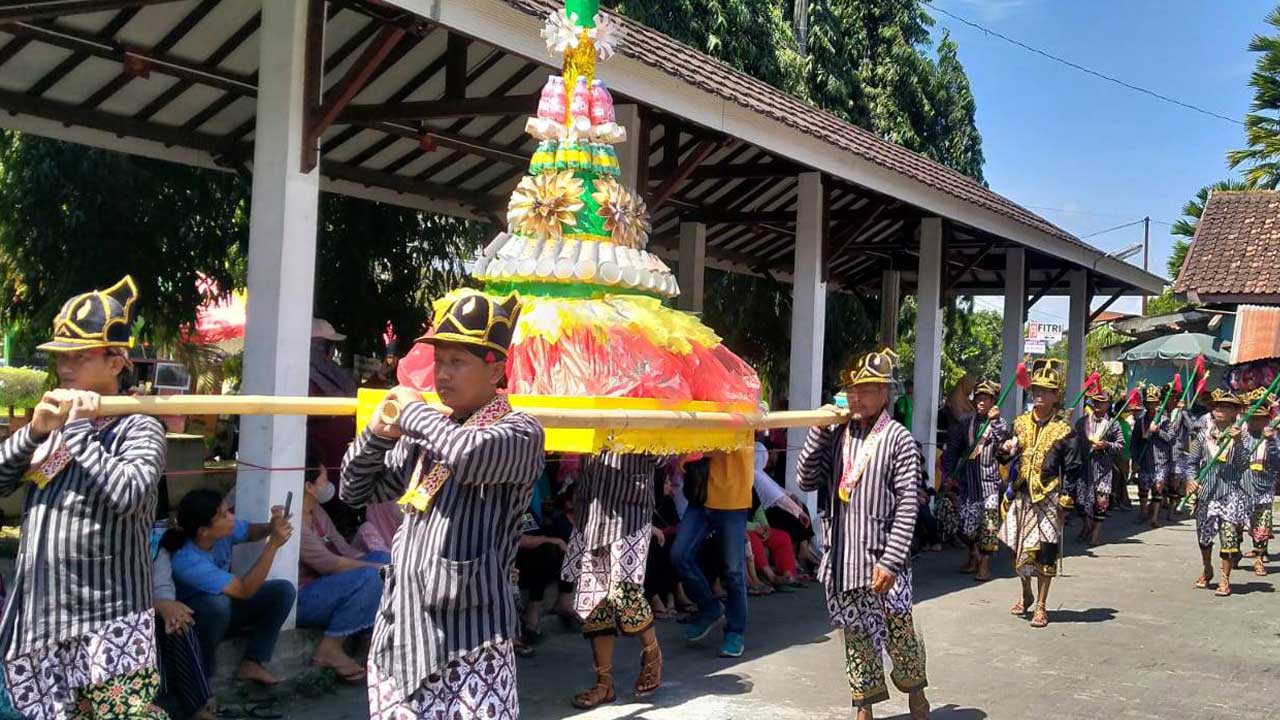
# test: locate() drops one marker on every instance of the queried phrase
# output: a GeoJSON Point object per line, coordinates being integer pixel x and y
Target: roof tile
{"type": "Point", "coordinates": [1236, 248]}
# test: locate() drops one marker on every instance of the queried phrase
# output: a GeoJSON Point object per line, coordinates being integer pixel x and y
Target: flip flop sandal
{"type": "Point", "coordinates": [1202, 583]}
{"type": "Point", "coordinates": [1222, 593]}
{"type": "Point", "coordinates": [264, 711]}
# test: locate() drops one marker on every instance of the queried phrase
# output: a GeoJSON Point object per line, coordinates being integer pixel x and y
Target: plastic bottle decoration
{"type": "Point", "coordinates": [552, 103]}
{"type": "Point", "coordinates": [601, 104]}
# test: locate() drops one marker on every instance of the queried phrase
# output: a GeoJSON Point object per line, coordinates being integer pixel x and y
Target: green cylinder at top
{"type": "Point", "coordinates": [586, 10]}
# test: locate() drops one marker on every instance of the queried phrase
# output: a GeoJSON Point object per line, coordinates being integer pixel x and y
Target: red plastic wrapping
{"type": "Point", "coordinates": [622, 364]}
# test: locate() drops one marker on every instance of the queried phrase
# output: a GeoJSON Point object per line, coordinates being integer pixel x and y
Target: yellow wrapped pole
{"type": "Point", "coordinates": [550, 417]}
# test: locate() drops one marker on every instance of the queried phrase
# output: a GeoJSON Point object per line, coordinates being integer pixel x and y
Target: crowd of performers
{"type": "Point", "coordinates": [79, 636]}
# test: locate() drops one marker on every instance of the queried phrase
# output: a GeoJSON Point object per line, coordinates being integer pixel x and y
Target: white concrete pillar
{"type": "Point", "coordinates": [890, 304]}
{"type": "Point", "coordinates": [693, 265]}
{"type": "Point", "coordinates": [929, 326]}
{"type": "Point", "coordinates": [808, 318]}
{"type": "Point", "coordinates": [282, 251]}
{"type": "Point", "coordinates": [629, 152]}
{"type": "Point", "coordinates": [1077, 330]}
{"type": "Point", "coordinates": [1015, 310]}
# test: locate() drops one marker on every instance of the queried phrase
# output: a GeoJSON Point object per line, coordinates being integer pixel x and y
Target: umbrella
{"type": "Point", "coordinates": [1183, 347]}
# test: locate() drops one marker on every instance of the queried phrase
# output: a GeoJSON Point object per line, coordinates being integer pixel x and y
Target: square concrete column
{"type": "Point", "coordinates": [693, 265]}
{"type": "Point", "coordinates": [929, 326]}
{"type": "Point", "coordinates": [1077, 331]}
{"type": "Point", "coordinates": [1015, 312]}
{"type": "Point", "coordinates": [890, 304]}
{"type": "Point", "coordinates": [282, 252]}
{"type": "Point", "coordinates": [808, 317]}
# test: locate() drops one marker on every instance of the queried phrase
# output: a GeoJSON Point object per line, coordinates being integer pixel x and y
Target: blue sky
{"type": "Point", "coordinates": [1090, 155]}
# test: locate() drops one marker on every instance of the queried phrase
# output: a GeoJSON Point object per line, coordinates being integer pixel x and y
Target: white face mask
{"type": "Point", "coordinates": [325, 492]}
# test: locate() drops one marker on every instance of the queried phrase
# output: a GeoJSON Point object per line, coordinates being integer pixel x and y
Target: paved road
{"type": "Point", "coordinates": [1130, 639]}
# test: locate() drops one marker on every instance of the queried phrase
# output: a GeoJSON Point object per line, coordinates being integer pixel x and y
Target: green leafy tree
{"type": "Point", "coordinates": [73, 219]}
{"type": "Point", "coordinates": [1261, 159]}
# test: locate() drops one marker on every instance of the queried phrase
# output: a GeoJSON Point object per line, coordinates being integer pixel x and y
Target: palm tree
{"type": "Point", "coordinates": [1261, 159]}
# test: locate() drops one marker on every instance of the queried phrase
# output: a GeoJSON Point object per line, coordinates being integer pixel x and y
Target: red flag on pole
{"type": "Point", "coordinates": [1177, 383]}
{"type": "Point", "coordinates": [1022, 379]}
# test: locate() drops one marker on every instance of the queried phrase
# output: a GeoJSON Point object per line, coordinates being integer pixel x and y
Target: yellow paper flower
{"type": "Point", "coordinates": [542, 203]}
{"type": "Point", "coordinates": [625, 216]}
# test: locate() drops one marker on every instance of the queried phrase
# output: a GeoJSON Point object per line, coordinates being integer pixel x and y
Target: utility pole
{"type": "Point", "coordinates": [800, 21]}
{"type": "Point", "coordinates": [1146, 254]}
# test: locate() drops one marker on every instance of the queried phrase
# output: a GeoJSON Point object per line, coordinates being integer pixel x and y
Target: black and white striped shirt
{"type": "Point", "coordinates": [614, 497]}
{"type": "Point", "coordinates": [1153, 449]}
{"type": "Point", "coordinates": [84, 558]}
{"type": "Point", "coordinates": [979, 478]}
{"type": "Point", "coordinates": [876, 525]}
{"type": "Point", "coordinates": [447, 592]}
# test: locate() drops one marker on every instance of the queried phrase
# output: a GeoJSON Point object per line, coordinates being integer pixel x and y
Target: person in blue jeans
{"type": "Point", "coordinates": [338, 587]}
{"type": "Point", "coordinates": [221, 602]}
{"type": "Point", "coordinates": [719, 492]}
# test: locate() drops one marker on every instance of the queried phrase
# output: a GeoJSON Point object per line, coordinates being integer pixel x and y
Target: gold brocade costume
{"type": "Point", "coordinates": [1036, 443]}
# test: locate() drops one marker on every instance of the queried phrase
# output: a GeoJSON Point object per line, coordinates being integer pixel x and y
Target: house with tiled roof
{"type": "Point", "coordinates": [1235, 254]}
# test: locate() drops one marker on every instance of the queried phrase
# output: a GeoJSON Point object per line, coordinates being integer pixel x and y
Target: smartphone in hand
{"type": "Point", "coordinates": [288, 504]}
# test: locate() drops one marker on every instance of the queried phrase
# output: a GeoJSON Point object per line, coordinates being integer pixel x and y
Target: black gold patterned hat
{"type": "Point", "coordinates": [1264, 407]}
{"type": "Point", "coordinates": [97, 319]}
{"type": "Point", "coordinates": [1048, 374]}
{"type": "Point", "coordinates": [987, 387]}
{"type": "Point", "coordinates": [477, 321]}
{"type": "Point", "coordinates": [1226, 397]}
{"type": "Point", "coordinates": [1153, 393]}
{"type": "Point", "coordinates": [872, 368]}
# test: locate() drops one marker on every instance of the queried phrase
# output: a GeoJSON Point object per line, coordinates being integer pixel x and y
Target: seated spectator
{"type": "Point", "coordinates": [538, 559]}
{"type": "Point", "coordinates": [781, 511]}
{"type": "Point", "coordinates": [338, 587]}
{"type": "Point", "coordinates": [184, 687]}
{"type": "Point", "coordinates": [379, 528]}
{"type": "Point", "coordinates": [222, 603]}
{"type": "Point", "coordinates": [664, 592]}
{"type": "Point", "coordinates": [772, 553]}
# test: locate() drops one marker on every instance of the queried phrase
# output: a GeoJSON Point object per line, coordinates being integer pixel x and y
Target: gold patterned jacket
{"type": "Point", "coordinates": [1046, 460]}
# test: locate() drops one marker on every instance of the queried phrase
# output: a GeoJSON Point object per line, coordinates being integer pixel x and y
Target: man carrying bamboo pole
{"type": "Point", "coordinates": [1100, 442]}
{"type": "Point", "coordinates": [77, 637]}
{"type": "Point", "coordinates": [870, 467]}
{"type": "Point", "coordinates": [442, 642]}
{"type": "Point", "coordinates": [1215, 470]}
{"type": "Point", "coordinates": [971, 448]}
{"type": "Point", "coordinates": [607, 556]}
{"type": "Point", "coordinates": [1043, 447]}
{"type": "Point", "coordinates": [1153, 439]}
{"type": "Point", "coordinates": [1259, 439]}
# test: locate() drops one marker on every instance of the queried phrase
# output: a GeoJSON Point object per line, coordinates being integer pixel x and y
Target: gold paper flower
{"type": "Point", "coordinates": [542, 203]}
{"type": "Point", "coordinates": [625, 216]}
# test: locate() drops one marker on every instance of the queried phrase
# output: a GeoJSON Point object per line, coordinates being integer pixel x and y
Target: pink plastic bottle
{"type": "Point", "coordinates": [601, 104]}
{"type": "Point", "coordinates": [551, 104]}
{"type": "Point", "coordinates": [579, 106]}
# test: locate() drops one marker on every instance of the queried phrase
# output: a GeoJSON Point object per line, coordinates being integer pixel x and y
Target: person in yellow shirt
{"type": "Point", "coordinates": [718, 488]}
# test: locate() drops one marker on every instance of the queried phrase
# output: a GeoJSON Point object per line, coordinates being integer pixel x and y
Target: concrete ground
{"type": "Point", "coordinates": [1130, 638]}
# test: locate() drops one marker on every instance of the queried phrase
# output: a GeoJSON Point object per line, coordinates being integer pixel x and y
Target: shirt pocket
{"type": "Point", "coordinates": [459, 585]}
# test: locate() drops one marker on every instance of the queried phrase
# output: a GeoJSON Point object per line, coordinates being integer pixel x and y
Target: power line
{"type": "Point", "coordinates": [1089, 213]}
{"type": "Point", "coordinates": [1084, 69]}
{"type": "Point", "coordinates": [1108, 230]}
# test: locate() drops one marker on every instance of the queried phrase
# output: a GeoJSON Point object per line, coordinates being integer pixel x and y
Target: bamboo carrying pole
{"type": "Point", "coordinates": [549, 417]}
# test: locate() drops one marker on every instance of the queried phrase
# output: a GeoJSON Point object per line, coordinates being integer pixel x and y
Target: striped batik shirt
{"type": "Point", "coordinates": [1263, 482]}
{"type": "Point", "coordinates": [614, 497]}
{"type": "Point", "coordinates": [1228, 475]}
{"type": "Point", "coordinates": [979, 478]}
{"type": "Point", "coordinates": [1154, 450]}
{"type": "Point", "coordinates": [447, 592]}
{"type": "Point", "coordinates": [876, 525]}
{"type": "Point", "coordinates": [84, 558]}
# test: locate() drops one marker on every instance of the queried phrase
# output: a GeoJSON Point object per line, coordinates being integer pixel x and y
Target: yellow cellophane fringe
{"type": "Point", "coordinates": [551, 318]}
{"type": "Point", "coordinates": [592, 441]}
{"type": "Point", "coordinates": [579, 61]}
